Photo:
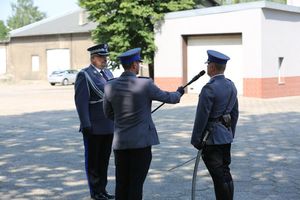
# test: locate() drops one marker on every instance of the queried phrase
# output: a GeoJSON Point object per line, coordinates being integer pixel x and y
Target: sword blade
{"type": "Point", "coordinates": [194, 181]}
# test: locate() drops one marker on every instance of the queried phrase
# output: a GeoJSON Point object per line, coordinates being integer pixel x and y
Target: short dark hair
{"type": "Point", "coordinates": [220, 67]}
{"type": "Point", "coordinates": [127, 66]}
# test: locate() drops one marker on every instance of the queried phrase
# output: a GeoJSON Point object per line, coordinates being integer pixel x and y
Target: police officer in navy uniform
{"type": "Point", "coordinates": [217, 115]}
{"type": "Point", "coordinates": [128, 101]}
{"type": "Point", "coordinates": [97, 130]}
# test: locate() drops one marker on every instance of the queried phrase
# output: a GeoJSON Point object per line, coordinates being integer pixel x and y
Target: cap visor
{"type": "Point", "coordinates": [102, 54]}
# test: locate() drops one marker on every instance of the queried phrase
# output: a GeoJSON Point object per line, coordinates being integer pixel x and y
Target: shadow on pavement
{"type": "Point", "coordinates": [42, 157]}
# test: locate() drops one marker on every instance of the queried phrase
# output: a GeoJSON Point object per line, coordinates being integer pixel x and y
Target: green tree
{"type": "Point", "coordinates": [126, 24]}
{"type": "Point", "coordinates": [24, 12]}
{"type": "Point", "coordinates": [3, 31]}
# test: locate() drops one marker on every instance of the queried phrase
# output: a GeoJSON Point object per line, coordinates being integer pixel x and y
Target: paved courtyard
{"type": "Point", "coordinates": [41, 151]}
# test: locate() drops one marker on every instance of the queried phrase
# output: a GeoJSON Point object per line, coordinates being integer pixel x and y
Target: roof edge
{"type": "Point", "coordinates": [43, 21]}
{"type": "Point", "coordinates": [49, 34]}
{"type": "Point", "coordinates": [232, 8]}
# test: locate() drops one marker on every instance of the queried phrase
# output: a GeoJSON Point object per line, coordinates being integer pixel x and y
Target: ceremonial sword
{"type": "Point", "coordinates": [195, 172]}
{"type": "Point", "coordinates": [200, 151]}
{"type": "Point", "coordinates": [194, 180]}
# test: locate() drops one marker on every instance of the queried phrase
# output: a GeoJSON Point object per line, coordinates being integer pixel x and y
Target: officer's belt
{"type": "Point", "coordinates": [221, 120]}
{"type": "Point", "coordinates": [217, 120]}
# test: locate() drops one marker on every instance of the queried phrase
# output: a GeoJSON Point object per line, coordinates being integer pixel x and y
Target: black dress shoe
{"type": "Point", "coordinates": [108, 196]}
{"type": "Point", "coordinates": [100, 196]}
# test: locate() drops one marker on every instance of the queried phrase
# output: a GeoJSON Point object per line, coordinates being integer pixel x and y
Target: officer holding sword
{"type": "Point", "coordinates": [215, 122]}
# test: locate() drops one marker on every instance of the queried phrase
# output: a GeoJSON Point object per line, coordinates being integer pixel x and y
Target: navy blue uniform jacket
{"type": "Point", "coordinates": [213, 100]}
{"type": "Point", "coordinates": [128, 101]}
{"type": "Point", "coordinates": [89, 105]}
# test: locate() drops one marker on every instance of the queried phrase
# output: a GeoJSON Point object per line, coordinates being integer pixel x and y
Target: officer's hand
{"type": "Point", "coordinates": [198, 146]}
{"type": "Point", "coordinates": [87, 131]}
{"type": "Point", "coordinates": [180, 90]}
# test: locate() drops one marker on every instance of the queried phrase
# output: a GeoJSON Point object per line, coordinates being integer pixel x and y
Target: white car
{"type": "Point", "coordinates": [64, 77]}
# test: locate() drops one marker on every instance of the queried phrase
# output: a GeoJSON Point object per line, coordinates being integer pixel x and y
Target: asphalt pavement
{"type": "Point", "coordinates": [41, 150]}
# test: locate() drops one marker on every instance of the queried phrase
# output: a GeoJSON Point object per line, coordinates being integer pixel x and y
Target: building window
{"type": "Point", "coordinates": [280, 71]}
{"type": "Point", "coordinates": [35, 63]}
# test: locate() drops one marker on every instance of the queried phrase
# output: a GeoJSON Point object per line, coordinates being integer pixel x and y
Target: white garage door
{"type": "Point", "coordinates": [230, 45]}
{"type": "Point", "coordinates": [2, 61]}
{"type": "Point", "coordinates": [58, 59]}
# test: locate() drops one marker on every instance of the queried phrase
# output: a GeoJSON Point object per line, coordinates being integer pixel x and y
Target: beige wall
{"type": "Point", "coordinates": [3, 58]}
{"type": "Point", "coordinates": [80, 57]}
{"type": "Point", "coordinates": [21, 49]}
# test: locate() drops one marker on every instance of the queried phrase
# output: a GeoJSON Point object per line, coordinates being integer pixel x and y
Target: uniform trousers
{"type": "Point", "coordinates": [132, 166]}
{"type": "Point", "coordinates": [217, 159]}
{"type": "Point", "coordinates": [97, 153]}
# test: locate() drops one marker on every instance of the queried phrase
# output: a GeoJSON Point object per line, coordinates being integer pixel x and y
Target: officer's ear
{"type": "Point", "coordinates": [135, 65]}
{"type": "Point", "coordinates": [93, 57]}
{"type": "Point", "coordinates": [213, 67]}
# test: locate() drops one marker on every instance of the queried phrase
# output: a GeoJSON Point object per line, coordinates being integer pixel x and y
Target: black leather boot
{"type": "Point", "coordinates": [228, 191]}
{"type": "Point", "coordinates": [231, 188]}
{"type": "Point", "coordinates": [224, 191]}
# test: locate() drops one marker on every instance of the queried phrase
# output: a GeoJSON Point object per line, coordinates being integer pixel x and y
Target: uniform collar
{"type": "Point", "coordinates": [215, 77]}
{"type": "Point", "coordinates": [128, 73]}
{"type": "Point", "coordinates": [218, 76]}
{"type": "Point", "coordinates": [98, 70]}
